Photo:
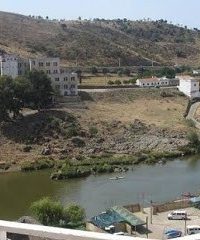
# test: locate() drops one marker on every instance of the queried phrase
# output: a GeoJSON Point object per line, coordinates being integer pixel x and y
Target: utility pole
{"type": "Point", "coordinates": [151, 212]}
{"type": "Point", "coordinates": [119, 62]}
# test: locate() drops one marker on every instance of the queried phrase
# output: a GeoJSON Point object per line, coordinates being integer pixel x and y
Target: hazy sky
{"type": "Point", "coordinates": [178, 11]}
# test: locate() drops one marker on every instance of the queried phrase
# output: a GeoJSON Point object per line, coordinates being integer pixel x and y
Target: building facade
{"type": "Point", "coordinates": [189, 86]}
{"type": "Point", "coordinates": [147, 82]}
{"type": "Point", "coordinates": [65, 83]}
{"type": "Point", "coordinates": [9, 65]}
{"type": "Point", "coordinates": [156, 82]}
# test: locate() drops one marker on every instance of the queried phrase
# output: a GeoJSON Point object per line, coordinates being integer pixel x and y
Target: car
{"type": "Point", "coordinates": [177, 215]}
{"type": "Point", "coordinates": [172, 233]}
{"type": "Point", "coordinates": [193, 229]}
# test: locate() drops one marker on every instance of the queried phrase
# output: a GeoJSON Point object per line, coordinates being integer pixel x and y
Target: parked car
{"type": "Point", "coordinates": [172, 233]}
{"type": "Point", "coordinates": [193, 229]}
{"type": "Point", "coordinates": [177, 215]}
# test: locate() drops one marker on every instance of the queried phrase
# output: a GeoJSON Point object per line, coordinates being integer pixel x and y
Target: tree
{"type": "Point", "coordinates": [79, 75]}
{"type": "Point", "coordinates": [105, 71]}
{"type": "Point", "coordinates": [127, 72]}
{"type": "Point", "coordinates": [9, 102]}
{"type": "Point", "coordinates": [94, 70]}
{"type": "Point", "coordinates": [41, 89]}
{"type": "Point", "coordinates": [48, 212]}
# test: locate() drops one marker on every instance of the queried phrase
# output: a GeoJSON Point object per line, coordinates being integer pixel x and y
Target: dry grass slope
{"type": "Point", "coordinates": [100, 42]}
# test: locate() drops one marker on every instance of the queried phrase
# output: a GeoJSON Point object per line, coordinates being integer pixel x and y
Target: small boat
{"type": "Point", "coordinates": [116, 178]}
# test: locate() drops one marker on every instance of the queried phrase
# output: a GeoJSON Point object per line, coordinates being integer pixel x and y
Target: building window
{"type": "Point", "coordinates": [195, 85]}
{"type": "Point", "coordinates": [57, 80]}
{"type": "Point", "coordinates": [48, 64]}
{"type": "Point", "coordinates": [41, 64]}
{"type": "Point", "coordinates": [72, 78]}
{"type": "Point", "coordinates": [55, 64]}
{"type": "Point", "coordinates": [55, 71]}
{"type": "Point", "coordinates": [151, 83]}
{"type": "Point", "coordinates": [19, 65]}
{"type": "Point", "coordinates": [72, 86]}
{"type": "Point", "coordinates": [33, 62]}
{"type": "Point", "coordinates": [57, 87]}
{"type": "Point", "coordinates": [65, 86]}
{"type": "Point", "coordinates": [147, 84]}
{"type": "Point", "coordinates": [48, 71]}
{"type": "Point", "coordinates": [65, 79]}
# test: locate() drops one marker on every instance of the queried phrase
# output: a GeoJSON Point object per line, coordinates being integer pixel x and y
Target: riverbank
{"type": "Point", "coordinates": [140, 126]}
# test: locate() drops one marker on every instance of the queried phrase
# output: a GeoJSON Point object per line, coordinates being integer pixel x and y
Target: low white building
{"type": "Point", "coordinates": [148, 82]}
{"type": "Point", "coordinates": [9, 65]}
{"type": "Point", "coordinates": [189, 86]}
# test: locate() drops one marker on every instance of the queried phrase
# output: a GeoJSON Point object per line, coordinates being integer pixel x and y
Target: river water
{"type": "Point", "coordinates": [96, 193]}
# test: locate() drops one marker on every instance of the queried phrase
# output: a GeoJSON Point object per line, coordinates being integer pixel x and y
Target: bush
{"type": "Point", "coordinates": [78, 142]}
{"type": "Point", "coordinates": [52, 213]}
{"type": "Point", "coordinates": [190, 123]}
{"type": "Point", "coordinates": [48, 212]}
{"type": "Point", "coordinates": [110, 82]}
{"type": "Point", "coordinates": [118, 82]}
{"type": "Point", "coordinates": [193, 139]}
{"type": "Point", "coordinates": [93, 131]}
{"type": "Point", "coordinates": [74, 213]}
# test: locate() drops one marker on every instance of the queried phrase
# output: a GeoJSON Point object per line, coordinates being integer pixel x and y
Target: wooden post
{"type": "Point", "coordinates": [3, 235]}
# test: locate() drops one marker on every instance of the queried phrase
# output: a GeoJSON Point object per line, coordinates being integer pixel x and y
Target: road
{"type": "Point", "coordinates": [191, 114]}
{"type": "Point", "coordinates": [118, 89]}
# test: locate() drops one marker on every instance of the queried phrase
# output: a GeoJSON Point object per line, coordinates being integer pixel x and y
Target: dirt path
{"type": "Point", "coordinates": [191, 114]}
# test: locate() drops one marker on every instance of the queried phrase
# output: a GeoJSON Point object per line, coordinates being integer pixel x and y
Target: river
{"type": "Point", "coordinates": [96, 193]}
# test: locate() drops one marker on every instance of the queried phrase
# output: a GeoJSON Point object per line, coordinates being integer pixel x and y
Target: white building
{"type": "Point", "coordinates": [66, 84]}
{"type": "Point", "coordinates": [9, 65]}
{"type": "Point", "coordinates": [148, 82]}
{"type": "Point", "coordinates": [189, 86]}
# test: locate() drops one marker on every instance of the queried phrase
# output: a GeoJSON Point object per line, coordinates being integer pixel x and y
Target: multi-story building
{"type": "Point", "coordinates": [9, 65]}
{"type": "Point", "coordinates": [12, 65]}
{"type": "Point", "coordinates": [66, 84]}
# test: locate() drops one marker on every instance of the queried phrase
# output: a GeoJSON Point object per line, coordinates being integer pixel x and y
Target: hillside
{"type": "Point", "coordinates": [126, 122]}
{"type": "Point", "coordinates": [100, 42]}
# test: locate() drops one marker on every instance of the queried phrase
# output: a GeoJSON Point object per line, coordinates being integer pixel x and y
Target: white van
{"type": "Point", "coordinates": [177, 215]}
{"type": "Point", "coordinates": [193, 229]}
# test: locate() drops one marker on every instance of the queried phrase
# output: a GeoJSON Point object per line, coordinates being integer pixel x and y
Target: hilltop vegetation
{"type": "Point", "coordinates": [100, 42]}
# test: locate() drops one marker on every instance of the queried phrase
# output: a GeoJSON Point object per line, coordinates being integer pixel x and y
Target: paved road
{"type": "Point", "coordinates": [191, 114]}
{"type": "Point", "coordinates": [118, 89]}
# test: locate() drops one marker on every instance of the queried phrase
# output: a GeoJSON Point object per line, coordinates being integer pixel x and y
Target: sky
{"type": "Point", "coordinates": [184, 12]}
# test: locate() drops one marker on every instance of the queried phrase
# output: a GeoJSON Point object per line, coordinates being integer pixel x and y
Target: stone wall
{"type": "Point", "coordinates": [133, 208]}
{"type": "Point", "coordinates": [170, 206]}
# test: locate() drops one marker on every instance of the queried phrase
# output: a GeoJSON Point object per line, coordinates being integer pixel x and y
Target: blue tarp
{"type": "Point", "coordinates": [195, 199]}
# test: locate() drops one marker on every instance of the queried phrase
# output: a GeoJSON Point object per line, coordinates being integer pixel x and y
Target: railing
{"type": "Point", "coordinates": [63, 234]}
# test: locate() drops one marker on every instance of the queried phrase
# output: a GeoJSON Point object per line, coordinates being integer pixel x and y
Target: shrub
{"type": "Point", "coordinates": [118, 82]}
{"type": "Point", "coordinates": [78, 142]}
{"type": "Point", "coordinates": [48, 212]}
{"type": "Point", "coordinates": [193, 139]}
{"type": "Point", "coordinates": [52, 213]}
{"type": "Point", "coordinates": [93, 131]}
{"type": "Point", "coordinates": [110, 82]}
{"type": "Point", "coordinates": [190, 123]}
{"type": "Point", "coordinates": [74, 213]}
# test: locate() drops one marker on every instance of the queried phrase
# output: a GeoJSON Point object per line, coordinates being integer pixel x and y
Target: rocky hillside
{"type": "Point", "coordinates": [100, 42]}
